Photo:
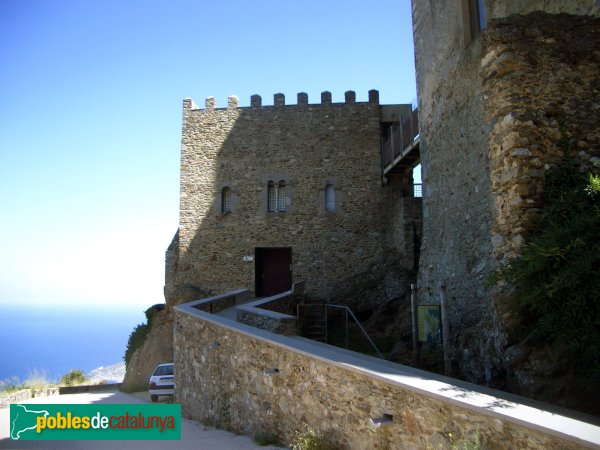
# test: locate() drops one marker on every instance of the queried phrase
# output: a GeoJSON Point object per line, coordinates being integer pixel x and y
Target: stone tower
{"type": "Point", "coordinates": [280, 193]}
{"type": "Point", "coordinates": [499, 83]}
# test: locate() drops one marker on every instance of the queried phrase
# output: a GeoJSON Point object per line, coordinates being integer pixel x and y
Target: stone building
{"type": "Point", "coordinates": [275, 194]}
{"type": "Point", "coordinates": [500, 84]}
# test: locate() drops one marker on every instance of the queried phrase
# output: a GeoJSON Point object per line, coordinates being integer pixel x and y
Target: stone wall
{"type": "Point", "coordinates": [250, 381]}
{"type": "Point", "coordinates": [26, 394]}
{"type": "Point", "coordinates": [15, 397]}
{"type": "Point", "coordinates": [308, 146]}
{"type": "Point", "coordinates": [541, 76]}
{"type": "Point", "coordinates": [276, 314]}
{"type": "Point", "coordinates": [457, 220]}
{"type": "Point", "coordinates": [89, 388]}
{"type": "Point", "coordinates": [268, 320]}
{"type": "Point", "coordinates": [485, 145]}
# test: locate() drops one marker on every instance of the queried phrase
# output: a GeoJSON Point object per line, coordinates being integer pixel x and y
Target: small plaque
{"type": "Point", "coordinates": [429, 323]}
{"type": "Point", "coordinates": [248, 258]}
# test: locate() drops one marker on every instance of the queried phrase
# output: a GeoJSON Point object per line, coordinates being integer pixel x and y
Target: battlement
{"type": "Point", "coordinates": [279, 101]}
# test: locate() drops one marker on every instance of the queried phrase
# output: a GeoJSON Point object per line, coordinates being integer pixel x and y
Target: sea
{"type": "Point", "coordinates": [50, 341]}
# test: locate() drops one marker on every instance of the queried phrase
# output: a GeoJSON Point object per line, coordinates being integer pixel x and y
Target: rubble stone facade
{"type": "Point", "coordinates": [252, 382]}
{"type": "Point", "coordinates": [497, 107]}
{"type": "Point", "coordinates": [322, 162]}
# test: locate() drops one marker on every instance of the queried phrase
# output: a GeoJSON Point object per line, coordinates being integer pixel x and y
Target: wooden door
{"type": "Point", "coordinates": [273, 270]}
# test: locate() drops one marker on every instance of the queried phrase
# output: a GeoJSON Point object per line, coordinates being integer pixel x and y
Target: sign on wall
{"type": "Point", "coordinates": [429, 319]}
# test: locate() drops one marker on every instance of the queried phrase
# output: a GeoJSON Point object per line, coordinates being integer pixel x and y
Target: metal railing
{"type": "Point", "coordinates": [348, 313]}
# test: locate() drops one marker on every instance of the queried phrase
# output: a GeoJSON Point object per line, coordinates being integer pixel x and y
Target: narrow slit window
{"type": "Point", "coordinates": [226, 200]}
{"type": "Point", "coordinates": [330, 198]}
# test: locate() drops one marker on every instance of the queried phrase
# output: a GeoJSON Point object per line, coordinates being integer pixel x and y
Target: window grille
{"type": "Point", "coordinates": [281, 197]}
{"type": "Point", "coordinates": [417, 190]}
{"type": "Point", "coordinates": [277, 197]}
{"type": "Point", "coordinates": [272, 193]}
{"type": "Point", "coordinates": [226, 200]}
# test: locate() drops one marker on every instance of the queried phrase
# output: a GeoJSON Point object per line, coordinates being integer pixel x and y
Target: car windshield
{"type": "Point", "coordinates": [164, 370]}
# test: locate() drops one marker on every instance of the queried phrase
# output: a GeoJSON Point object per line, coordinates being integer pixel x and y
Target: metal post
{"type": "Point", "coordinates": [346, 329]}
{"type": "Point", "coordinates": [445, 330]}
{"type": "Point", "coordinates": [326, 330]}
{"type": "Point", "coordinates": [415, 332]}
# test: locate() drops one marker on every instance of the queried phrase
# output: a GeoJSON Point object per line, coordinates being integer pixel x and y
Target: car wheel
{"type": "Point", "coordinates": [154, 398]}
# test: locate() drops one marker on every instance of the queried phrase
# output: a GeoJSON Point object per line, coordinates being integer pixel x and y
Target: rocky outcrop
{"type": "Point", "coordinates": [157, 349]}
{"type": "Point", "coordinates": [158, 346]}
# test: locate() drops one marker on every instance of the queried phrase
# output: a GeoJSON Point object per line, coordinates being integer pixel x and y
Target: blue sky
{"type": "Point", "coordinates": [90, 120]}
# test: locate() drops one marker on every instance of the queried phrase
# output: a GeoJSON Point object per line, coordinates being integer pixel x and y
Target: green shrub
{"type": "Point", "coordinates": [151, 312]}
{"type": "Point", "coordinates": [312, 440]}
{"type": "Point", "coordinates": [557, 275]}
{"type": "Point", "coordinates": [139, 333]}
{"type": "Point", "coordinates": [73, 378]}
{"type": "Point", "coordinates": [135, 341]}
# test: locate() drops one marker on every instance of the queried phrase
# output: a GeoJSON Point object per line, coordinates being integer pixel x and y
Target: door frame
{"type": "Point", "coordinates": [259, 258]}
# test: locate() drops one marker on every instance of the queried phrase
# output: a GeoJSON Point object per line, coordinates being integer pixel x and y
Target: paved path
{"type": "Point", "coordinates": [193, 434]}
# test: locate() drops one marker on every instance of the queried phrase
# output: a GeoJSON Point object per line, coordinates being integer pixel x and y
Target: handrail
{"type": "Point", "coordinates": [348, 310]}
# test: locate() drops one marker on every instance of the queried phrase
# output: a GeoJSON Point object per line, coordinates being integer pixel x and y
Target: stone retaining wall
{"type": "Point", "coordinates": [268, 320]}
{"type": "Point", "coordinates": [15, 397]}
{"type": "Point", "coordinates": [26, 394]}
{"type": "Point", "coordinates": [249, 381]}
{"type": "Point", "coordinates": [88, 388]}
{"type": "Point", "coordinates": [274, 314]}
{"type": "Point", "coordinates": [221, 302]}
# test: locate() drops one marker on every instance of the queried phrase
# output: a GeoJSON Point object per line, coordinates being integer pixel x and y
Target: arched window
{"type": "Point", "coordinates": [277, 197]}
{"type": "Point", "coordinates": [329, 198]}
{"type": "Point", "coordinates": [226, 200]}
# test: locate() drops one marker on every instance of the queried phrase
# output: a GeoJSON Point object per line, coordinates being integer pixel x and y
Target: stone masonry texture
{"type": "Point", "coordinates": [234, 385]}
{"type": "Point", "coordinates": [494, 114]}
{"type": "Point", "coordinates": [541, 77]}
{"type": "Point", "coordinates": [307, 146]}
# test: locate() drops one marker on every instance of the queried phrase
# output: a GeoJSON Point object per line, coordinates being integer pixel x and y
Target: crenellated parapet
{"type": "Point", "coordinates": [279, 101]}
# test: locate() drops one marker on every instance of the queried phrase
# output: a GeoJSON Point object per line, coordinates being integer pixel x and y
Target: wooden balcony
{"type": "Point", "coordinates": [400, 148]}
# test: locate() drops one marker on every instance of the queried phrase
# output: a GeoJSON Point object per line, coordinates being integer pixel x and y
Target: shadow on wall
{"type": "Point", "coordinates": [256, 178]}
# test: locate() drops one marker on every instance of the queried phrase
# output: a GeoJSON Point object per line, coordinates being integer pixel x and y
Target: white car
{"type": "Point", "coordinates": [162, 381]}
